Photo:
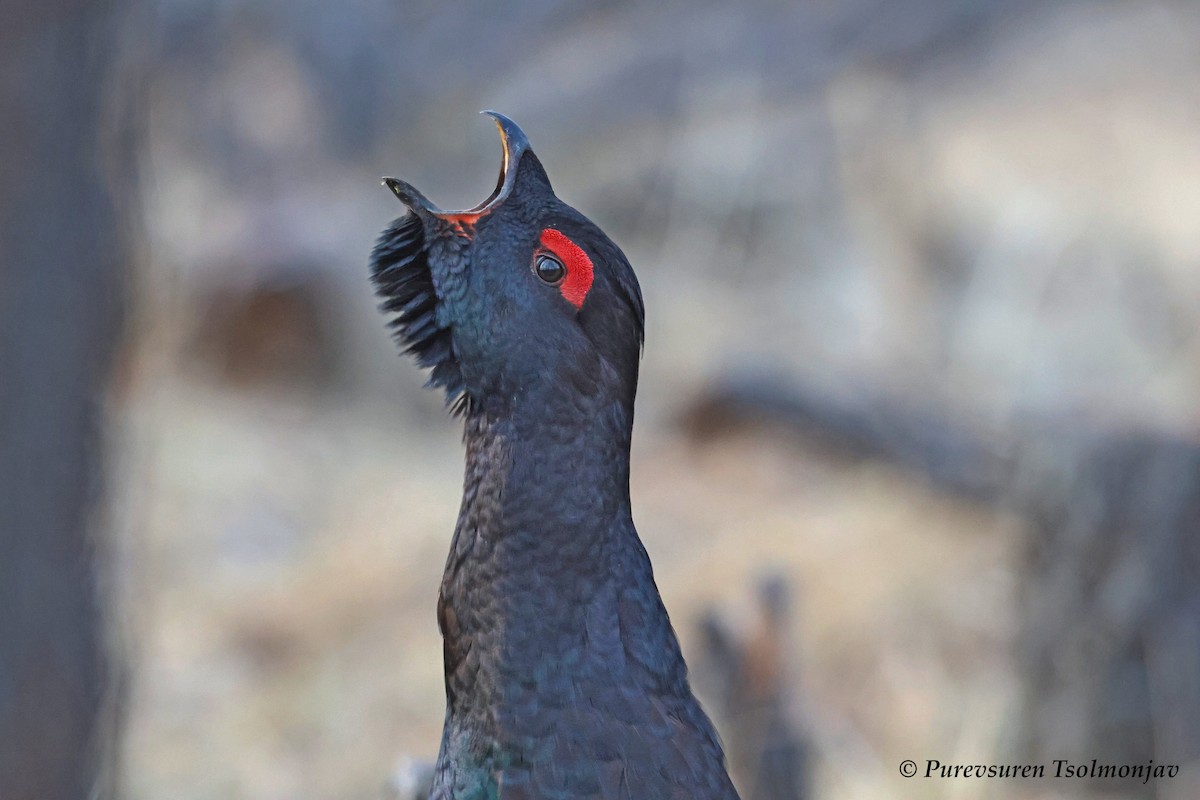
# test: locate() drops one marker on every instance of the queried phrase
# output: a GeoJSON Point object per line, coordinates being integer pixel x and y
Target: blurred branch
{"type": "Point", "coordinates": [755, 673]}
{"type": "Point", "coordinates": [1109, 569]}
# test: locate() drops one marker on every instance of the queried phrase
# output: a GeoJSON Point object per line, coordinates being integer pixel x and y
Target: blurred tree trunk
{"type": "Point", "coordinates": [1110, 609]}
{"type": "Point", "coordinates": [61, 297]}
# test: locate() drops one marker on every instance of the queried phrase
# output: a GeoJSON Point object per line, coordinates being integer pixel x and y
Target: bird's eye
{"type": "Point", "coordinates": [549, 269]}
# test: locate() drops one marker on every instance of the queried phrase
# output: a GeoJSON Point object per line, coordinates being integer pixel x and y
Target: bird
{"type": "Point", "coordinates": [563, 675]}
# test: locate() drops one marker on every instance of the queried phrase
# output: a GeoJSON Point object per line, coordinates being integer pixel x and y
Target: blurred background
{"type": "Point", "coordinates": [917, 456]}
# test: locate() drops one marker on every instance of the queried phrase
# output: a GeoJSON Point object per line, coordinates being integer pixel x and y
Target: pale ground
{"type": "Point", "coordinates": [285, 567]}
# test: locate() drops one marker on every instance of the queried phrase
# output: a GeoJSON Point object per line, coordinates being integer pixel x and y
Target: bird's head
{"type": "Point", "coordinates": [513, 300]}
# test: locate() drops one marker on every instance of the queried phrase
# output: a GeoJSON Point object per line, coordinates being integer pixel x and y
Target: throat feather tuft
{"type": "Point", "coordinates": [403, 280]}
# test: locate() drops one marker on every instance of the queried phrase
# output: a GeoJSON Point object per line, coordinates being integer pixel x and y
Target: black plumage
{"type": "Point", "coordinates": [564, 678]}
{"type": "Point", "coordinates": [400, 270]}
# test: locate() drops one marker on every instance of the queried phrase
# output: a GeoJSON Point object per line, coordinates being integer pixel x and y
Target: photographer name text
{"type": "Point", "coordinates": [1058, 768]}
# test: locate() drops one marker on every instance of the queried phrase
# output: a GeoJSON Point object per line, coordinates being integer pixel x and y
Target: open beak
{"type": "Point", "coordinates": [515, 143]}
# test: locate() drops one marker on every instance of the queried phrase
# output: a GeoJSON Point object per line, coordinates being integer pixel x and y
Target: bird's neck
{"type": "Point", "coordinates": [546, 568]}
{"type": "Point", "coordinates": [546, 493]}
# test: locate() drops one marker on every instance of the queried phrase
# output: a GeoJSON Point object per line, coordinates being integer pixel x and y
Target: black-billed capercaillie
{"type": "Point", "coordinates": [564, 678]}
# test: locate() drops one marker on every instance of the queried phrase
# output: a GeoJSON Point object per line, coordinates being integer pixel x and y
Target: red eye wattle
{"type": "Point", "coordinates": [578, 282]}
